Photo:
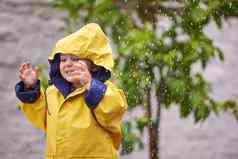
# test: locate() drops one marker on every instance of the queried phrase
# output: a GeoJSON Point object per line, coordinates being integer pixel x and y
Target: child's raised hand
{"type": "Point", "coordinates": [28, 75]}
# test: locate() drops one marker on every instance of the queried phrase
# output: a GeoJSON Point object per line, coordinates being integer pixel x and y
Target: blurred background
{"type": "Point", "coordinates": [28, 32]}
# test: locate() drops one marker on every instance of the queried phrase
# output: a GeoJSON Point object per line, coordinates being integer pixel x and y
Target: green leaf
{"type": "Point", "coordinates": [170, 58]}
{"type": "Point", "coordinates": [185, 108]}
{"type": "Point", "coordinates": [229, 104]}
{"type": "Point", "coordinates": [195, 99]}
{"type": "Point", "coordinates": [218, 21]}
{"type": "Point", "coordinates": [142, 122]}
{"type": "Point", "coordinates": [178, 89]}
{"type": "Point", "coordinates": [221, 54]}
{"type": "Point", "coordinates": [201, 113]}
{"type": "Point", "coordinates": [216, 107]}
{"type": "Point", "coordinates": [129, 139]}
{"type": "Point", "coordinates": [198, 15]}
{"type": "Point", "coordinates": [43, 77]}
{"type": "Point", "coordinates": [236, 113]}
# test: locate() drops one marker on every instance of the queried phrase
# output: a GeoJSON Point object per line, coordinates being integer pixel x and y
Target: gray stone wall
{"type": "Point", "coordinates": [28, 31]}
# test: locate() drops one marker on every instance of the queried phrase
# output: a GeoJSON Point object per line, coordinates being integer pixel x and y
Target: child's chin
{"type": "Point", "coordinates": [69, 79]}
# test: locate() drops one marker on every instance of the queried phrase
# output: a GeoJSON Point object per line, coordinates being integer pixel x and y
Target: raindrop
{"type": "Point", "coordinates": [146, 11]}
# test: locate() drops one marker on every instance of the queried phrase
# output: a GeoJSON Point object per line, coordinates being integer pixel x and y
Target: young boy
{"type": "Point", "coordinates": [81, 110]}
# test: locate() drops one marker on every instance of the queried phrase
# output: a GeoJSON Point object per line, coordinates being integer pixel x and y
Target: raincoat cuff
{"type": "Point", "coordinates": [27, 95]}
{"type": "Point", "coordinates": [95, 93]}
{"type": "Point", "coordinates": [101, 74]}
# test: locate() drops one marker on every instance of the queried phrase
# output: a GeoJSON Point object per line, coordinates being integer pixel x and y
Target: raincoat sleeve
{"type": "Point", "coordinates": [32, 104]}
{"type": "Point", "coordinates": [110, 109]}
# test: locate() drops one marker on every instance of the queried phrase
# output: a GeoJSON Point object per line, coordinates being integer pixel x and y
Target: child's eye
{"type": "Point", "coordinates": [75, 59]}
{"type": "Point", "coordinates": [62, 59]}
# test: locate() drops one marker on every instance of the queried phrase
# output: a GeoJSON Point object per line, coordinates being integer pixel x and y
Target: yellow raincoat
{"type": "Point", "coordinates": [72, 131]}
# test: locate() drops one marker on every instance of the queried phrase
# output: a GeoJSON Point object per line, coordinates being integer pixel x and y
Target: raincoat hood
{"type": "Point", "coordinates": [89, 42]}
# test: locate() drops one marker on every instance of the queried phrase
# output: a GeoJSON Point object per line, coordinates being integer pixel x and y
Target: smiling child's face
{"type": "Point", "coordinates": [69, 64]}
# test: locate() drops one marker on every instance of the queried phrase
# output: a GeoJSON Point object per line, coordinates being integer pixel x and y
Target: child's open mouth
{"type": "Point", "coordinates": [69, 72]}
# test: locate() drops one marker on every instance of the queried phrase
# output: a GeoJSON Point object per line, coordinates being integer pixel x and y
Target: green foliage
{"type": "Point", "coordinates": [129, 139]}
{"type": "Point", "coordinates": [43, 77]}
{"type": "Point", "coordinates": [133, 28]}
{"type": "Point", "coordinates": [141, 123]}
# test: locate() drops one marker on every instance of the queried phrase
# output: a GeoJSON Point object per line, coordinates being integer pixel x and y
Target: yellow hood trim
{"type": "Point", "coordinates": [89, 42]}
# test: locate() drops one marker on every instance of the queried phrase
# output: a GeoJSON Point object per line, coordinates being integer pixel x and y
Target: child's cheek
{"type": "Point", "coordinates": [61, 69]}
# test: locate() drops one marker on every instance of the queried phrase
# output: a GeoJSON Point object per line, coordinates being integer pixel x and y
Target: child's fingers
{"type": "Point", "coordinates": [78, 73]}
{"type": "Point", "coordinates": [21, 77]}
{"type": "Point", "coordinates": [76, 70]}
{"type": "Point", "coordinates": [83, 77]}
{"type": "Point", "coordinates": [80, 65]}
{"type": "Point", "coordinates": [28, 65]}
{"type": "Point", "coordinates": [22, 67]}
{"type": "Point", "coordinates": [27, 68]}
{"type": "Point", "coordinates": [83, 63]}
{"type": "Point", "coordinates": [25, 72]}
